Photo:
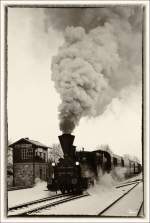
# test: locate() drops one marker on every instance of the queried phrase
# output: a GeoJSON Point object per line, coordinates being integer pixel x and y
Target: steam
{"type": "Point", "coordinates": [108, 181]}
{"type": "Point", "coordinates": [101, 55]}
{"type": "Point", "coordinates": [119, 173]}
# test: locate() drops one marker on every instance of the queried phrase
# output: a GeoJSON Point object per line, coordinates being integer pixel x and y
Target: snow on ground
{"type": "Point", "coordinates": [137, 177]}
{"type": "Point", "coordinates": [33, 206]}
{"type": "Point", "coordinates": [39, 191]}
{"type": "Point", "coordinates": [129, 205]}
{"type": "Point", "coordinates": [100, 197]}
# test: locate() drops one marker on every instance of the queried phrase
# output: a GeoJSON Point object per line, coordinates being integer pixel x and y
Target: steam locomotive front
{"type": "Point", "coordinates": [67, 173]}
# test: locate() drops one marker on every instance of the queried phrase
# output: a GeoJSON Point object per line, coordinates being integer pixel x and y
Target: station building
{"type": "Point", "coordinates": [29, 162]}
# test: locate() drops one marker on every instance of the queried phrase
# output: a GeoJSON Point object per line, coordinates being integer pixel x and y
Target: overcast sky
{"type": "Point", "coordinates": [33, 100]}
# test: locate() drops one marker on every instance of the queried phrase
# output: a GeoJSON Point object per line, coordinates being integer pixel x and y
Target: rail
{"type": "Point", "coordinates": [114, 202]}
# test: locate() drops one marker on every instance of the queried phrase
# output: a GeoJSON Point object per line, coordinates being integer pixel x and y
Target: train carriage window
{"type": "Point", "coordinates": [115, 161]}
{"type": "Point", "coordinates": [44, 156]}
{"type": "Point", "coordinates": [122, 162]}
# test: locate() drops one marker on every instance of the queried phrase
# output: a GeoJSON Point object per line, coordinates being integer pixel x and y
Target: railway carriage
{"type": "Point", "coordinates": [117, 161]}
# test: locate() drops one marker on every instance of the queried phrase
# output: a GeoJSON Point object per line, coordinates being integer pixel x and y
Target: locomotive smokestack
{"type": "Point", "coordinates": [66, 141]}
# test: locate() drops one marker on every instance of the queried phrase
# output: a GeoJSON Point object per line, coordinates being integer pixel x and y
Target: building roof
{"type": "Point", "coordinates": [33, 142]}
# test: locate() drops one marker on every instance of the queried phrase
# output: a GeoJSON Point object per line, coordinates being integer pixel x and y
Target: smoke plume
{"type": "Point", "coordinates": [101, 55]}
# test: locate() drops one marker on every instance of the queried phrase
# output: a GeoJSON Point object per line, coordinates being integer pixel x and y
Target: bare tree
{"type": "Point", "coordinates": [10, 167]}
{"type": "Point", "coordinates": [135, 158]}
{"type": "Point", "coordinates": [105, 147]}
{"type": "Point", "coordinates": [128, 157]}
{"type": "Point", "coordinates": [10, 159]}
{"type": "Point", "coordinates": [55, 153]}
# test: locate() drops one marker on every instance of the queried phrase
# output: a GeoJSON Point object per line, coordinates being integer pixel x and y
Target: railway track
{"type": "Point", "coordinates": [18, 188]}
{"type": "Point", "coordinates": [140, 211]}
{"type": "Point", "coordinates": [129, 183]}
{"type": "Point", "coordinates": [25, 206]}
{"type": "Point", "coordinates": [31, 208]}
{"type": "Point", "coordinates": [37, 206]}
{"type": "Point", "coordinates": [70, 198]}
{"type": "Point", "coordinates": [104, 211]}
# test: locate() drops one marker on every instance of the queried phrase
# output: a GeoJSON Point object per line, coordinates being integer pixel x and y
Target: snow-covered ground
{"type": "Point", "coordinates": [17, 197]}
{"type": "Point", "coordinates": [129, 205]}
{"type": "Point", "coordinates": [101, 195]}
{"type": "Point", "coordinates": [34, 206]}
{"type": "Point", "coordinates": [137, 177]}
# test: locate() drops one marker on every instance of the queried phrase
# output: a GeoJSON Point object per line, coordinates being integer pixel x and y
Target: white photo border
{"type": "Point", "coordinates": [3, 113]}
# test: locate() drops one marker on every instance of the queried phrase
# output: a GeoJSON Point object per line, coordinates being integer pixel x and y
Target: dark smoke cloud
{"type": "Point", "coordinates": [89, 18]}
{"type": "Point", "coordinates": [101, 55]}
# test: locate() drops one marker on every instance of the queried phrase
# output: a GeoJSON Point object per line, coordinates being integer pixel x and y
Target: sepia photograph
{"type": "Point", "coordinates": [74, 110]}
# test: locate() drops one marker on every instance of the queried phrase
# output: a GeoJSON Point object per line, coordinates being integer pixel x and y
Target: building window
{"type": "Point", "coordinates": [29, 153]}
{"type": "Point", "coordinates": [44, 156]}
{"type": "Point", "coordinates": [26, 154]}
{"type": "Point", "coordinates": [40, 173]}
{"type": "Point", "coordinates": [41, 154]}
{"type": "Point", "coordinates": [23, 146]}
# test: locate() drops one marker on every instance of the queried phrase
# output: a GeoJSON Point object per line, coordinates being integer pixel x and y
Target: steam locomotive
{"type": "Point", "coordinates": [79, 169]}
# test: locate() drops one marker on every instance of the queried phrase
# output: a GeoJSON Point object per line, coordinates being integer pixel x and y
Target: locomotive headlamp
{"type": "Point", "coordinates": [53, 164]}
{"type": "Point", "coordinates": [77, 163]}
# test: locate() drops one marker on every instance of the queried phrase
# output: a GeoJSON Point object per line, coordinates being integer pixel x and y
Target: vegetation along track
{"type": "Point", "coordinates": [118, 199]}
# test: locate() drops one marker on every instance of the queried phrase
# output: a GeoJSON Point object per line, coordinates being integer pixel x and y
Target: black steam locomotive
{"type": "Point", "coordinates": [78, 170]}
